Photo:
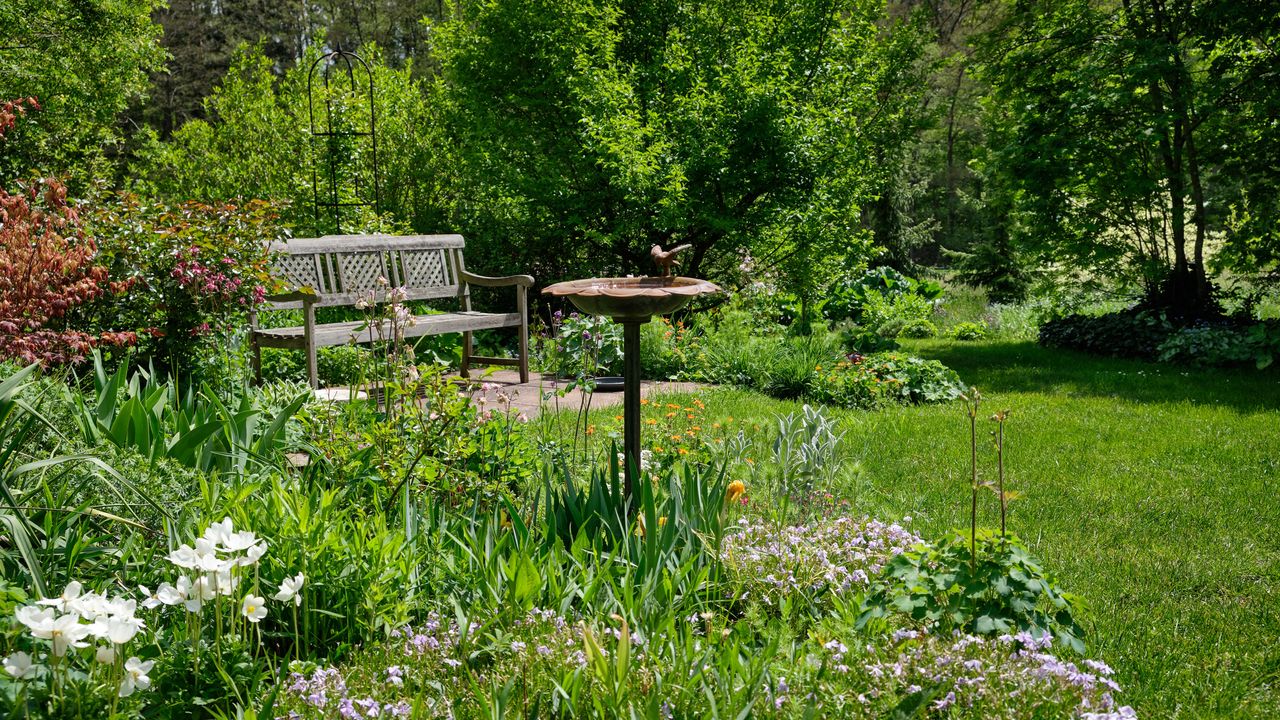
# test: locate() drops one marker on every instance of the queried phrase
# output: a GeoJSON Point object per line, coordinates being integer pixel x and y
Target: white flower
{"type": "Point", "coordinates": [69, 596]}
{"type": "Point", "coordinates": [254, 553]}
{"type": "Point", "coordinates": [184, 557]}
{"type": "Point", "coordinates": [34, 617]}
{"type": "Point", "coordinates": [65, 632]}
{"type": "Point", "coordinates": [135, 676]}
{"type": "Point", "coordinates": [192, 597]}
{"type": "Point", "coordinates": [166, 594]}
{"type": "Point", "coordinates": [106, 654]}
{"type": "Point", "coordinates": [226, 582]}
{"type": "Point", "coordinates": [290, 589]}
{"type": "Point", "coordinates": [242, 540]}
{"type": "Point", "coordinates": [219, 532]}
{"type": "Point", "coordinates": [121, 630]}
{"type": "Point", "coordinates": [19, 666]}
{"type": "Point", "coordinates": [253, 608]}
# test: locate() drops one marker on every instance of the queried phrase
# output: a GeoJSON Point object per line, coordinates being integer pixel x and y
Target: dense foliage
{"type": "Point", "coordinates": [1152, 336]}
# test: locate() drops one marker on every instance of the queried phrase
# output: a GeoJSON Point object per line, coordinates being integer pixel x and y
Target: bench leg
{"type": "Point", "coordinates": [313, 367]}
{"type": "Point", "coordinates": [309, 329]}
{"type": "Point", "coordinates": [522, 305]}
{"type": "Point", "coordinates": [465, 370]}
{"type": "Point", "coordinates": [255, 360]}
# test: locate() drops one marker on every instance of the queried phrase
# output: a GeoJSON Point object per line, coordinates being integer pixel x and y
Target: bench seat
{"type": "Point", "coordinates": [343, 333]}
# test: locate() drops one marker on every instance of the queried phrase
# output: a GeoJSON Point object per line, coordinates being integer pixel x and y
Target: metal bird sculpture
{"type": "Point", "coordinates": [666, 259]}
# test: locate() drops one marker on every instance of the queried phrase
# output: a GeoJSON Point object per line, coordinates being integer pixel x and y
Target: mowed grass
{"type": "Point", "coordinates": [1149, 490]}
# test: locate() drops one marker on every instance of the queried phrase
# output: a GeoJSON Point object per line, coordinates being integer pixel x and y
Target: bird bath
{"type": "Point", "coordinates": [631, 301]}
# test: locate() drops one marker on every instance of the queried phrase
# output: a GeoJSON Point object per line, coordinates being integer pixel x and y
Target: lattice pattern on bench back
{"type": "Point", "coordinates": [341, 268]}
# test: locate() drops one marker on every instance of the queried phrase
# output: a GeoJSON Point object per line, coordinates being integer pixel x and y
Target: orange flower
{"type": "Point", "coordinates": [689, 416]}
{"type": "Point", "coordinates": [684, 451]}
{"type": "Point", "coordinates": [650, 421]}
{"type": "Point", "coordinates": [644, 401]}
{"type": "Point", "coordinates": [591, 429]}
{"type": "Point", "coordinates": [671, 414]}
{"type": "Point", "coordinates": [735, 491]}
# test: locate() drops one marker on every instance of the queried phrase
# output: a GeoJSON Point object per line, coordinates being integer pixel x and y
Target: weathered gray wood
{"type": "Point", "coordinates": [503, 281]}
{"type": "Point", "coordinates": [331, 334]}
{"type": "Point", "coordinates": [367, 243]}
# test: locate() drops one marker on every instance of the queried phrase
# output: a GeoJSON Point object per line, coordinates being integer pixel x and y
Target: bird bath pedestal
{"type": "Point", "coordinates": [631, 301]}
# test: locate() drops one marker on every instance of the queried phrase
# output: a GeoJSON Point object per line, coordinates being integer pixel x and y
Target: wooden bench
{"type": "Point", "coordinates": [337, 270]}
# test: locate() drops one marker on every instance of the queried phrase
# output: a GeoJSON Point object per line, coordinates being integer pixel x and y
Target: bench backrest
{"type": "Point", "coordinates": [341, 268]}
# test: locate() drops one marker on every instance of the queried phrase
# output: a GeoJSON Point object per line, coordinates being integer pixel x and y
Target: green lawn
{"type": "Point", "coordinates": [1150, 490]}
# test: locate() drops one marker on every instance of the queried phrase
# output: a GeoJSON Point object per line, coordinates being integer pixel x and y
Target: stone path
{"type": "Point", "coordinates": [528, 397]}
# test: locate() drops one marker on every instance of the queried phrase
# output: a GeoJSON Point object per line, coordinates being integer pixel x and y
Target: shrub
{"type": "Point", "coordinates": [969, 331]}
{"type": "Point", "coordinates": [866, 381]}
{"type": "Point", "coordinates": [583, 345]}
{"type": "Point", "coordinates": [1152, 336]}
{"type": "Point", "coordinates": [847, 298]}
{"type": "Point", "coordinates": [48, 271]}
{"type": "Point", "coordinates": [1222, 344]}
{"type": "Point", "coordinates": [1005, 590]}
{"type": "Point", "coordinates": [897, 315]}
{"type": "Point", "coordinates": [1136, 334]}
{"type": "Point", "coordinates": [667, 350]}
{"type": "Point", "coordinates": [197, 272]}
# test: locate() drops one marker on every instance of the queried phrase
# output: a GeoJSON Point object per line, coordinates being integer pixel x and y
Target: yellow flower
{"type": "Point", "coordinates": [650, 421]}
{"type": "Point", "coordinates": [735, 491]}
{"type": "Point", "coordinates": [662, 521]}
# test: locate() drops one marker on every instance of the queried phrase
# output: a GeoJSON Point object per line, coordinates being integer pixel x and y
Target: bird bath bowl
{"type": "Point", "coordinates": [631, 301]}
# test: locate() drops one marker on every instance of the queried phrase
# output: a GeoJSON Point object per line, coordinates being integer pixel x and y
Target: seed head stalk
{"type": "Point", "coordinates": [975, 399]}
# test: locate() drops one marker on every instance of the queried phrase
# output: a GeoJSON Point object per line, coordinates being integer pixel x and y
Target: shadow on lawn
{"type": "Point", "coordinates": [1025, 367]}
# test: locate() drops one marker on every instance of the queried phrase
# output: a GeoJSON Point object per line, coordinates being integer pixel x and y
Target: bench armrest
{"type": "Point", "coordinates": [485, 281]}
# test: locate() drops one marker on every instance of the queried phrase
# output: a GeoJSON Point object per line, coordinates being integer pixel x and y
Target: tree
{"type": "Point", "coordinates": [584, 132]}
{"type": "Point", "coordinates": [84, 60]}
{"type": "Point", "coordinates": [1118, 125]}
